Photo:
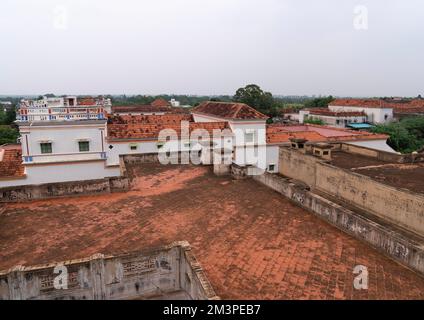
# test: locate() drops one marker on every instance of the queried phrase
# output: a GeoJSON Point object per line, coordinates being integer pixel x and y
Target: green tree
{"type": "Point", "coordinates": [8, 135]}
{"type": "Point", "coordinates": [7, 117]}
{"type": "Point", "coordinates": [319, 102]}
{"type": "Point", "coordinates": [405, 136]}
{"type": "Point", "coordinates": [255, 97]}
{"type": "Point", "coordinates": [314, 121]}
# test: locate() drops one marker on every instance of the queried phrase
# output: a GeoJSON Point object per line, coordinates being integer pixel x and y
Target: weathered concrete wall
{"type": "Point", "coordinates": [131, 276]}
{"type": "Point", "coordinates": [298, 166]}
{"type": "Point", "coordinates": [239, 172]}
{"type": "Point", "coordinates": [382, 155]}
{"type": "Point", "coordinates": [173, 158]}
{"type": "Point", "coordinates": [52, 190]}
{"type": "Point", "coordinates": [402, 207]}
{"type": "Point", "coordinates": [140, 158]}
{"type": "Point", "coordinates": [221, 169]}
{"type": "Point", "coordinates": [386, 239]}
{"type": "Point", "coordinates": [362, 150]}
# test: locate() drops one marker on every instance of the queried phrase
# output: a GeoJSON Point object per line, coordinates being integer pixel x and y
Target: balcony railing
{"type": "Point", "coordinates": [64, 157]}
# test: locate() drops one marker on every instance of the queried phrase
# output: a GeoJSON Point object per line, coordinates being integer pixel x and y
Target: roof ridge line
{"type": "Point", "coordinates": [240, 105]}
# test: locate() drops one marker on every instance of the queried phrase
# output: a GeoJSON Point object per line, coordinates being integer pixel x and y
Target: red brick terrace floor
{"type": "Point", "coordinates": [252, 242]}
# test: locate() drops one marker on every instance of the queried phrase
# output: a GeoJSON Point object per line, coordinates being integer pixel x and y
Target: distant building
{"type": "Point", "coordinates": [63, 108]}
{"type": "Point", "coordinates": [338, 119]}
{"type": "Point", "coordinates": [376, 111]}
{"type": "Point", "coordinates": [381, 110]}
{"type": "Point", "coordinates": [6, 106]}
{"type": "Point", "coordinates": [174, 103]}
{"type": "Point", "coordinates": [354, 113]}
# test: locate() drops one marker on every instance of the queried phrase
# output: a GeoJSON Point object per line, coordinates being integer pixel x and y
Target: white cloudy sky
{"type": "Point", "coordinates": [211, 47]}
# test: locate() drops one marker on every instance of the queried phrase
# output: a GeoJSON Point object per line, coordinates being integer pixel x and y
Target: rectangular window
{"type": "Point", "coordinates": [271, 168]}
{"type": "Point", "coordinates": [133, 147]}
{"type": "Point", "coordinates": [46, 147]}
{"type": "Point", "coordinates": [249, 137]}
{"type": "Point", "coordinates": [84, 146]}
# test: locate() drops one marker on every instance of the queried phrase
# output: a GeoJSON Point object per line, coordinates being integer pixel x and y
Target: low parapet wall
{"type": "Point", "coordinates": [382, 155]}
{"type": "Point", "coordinates": [403, 208]}
{"type": "Point", "coordinates": [181, 157]}
{"type": "Point", "coordinates": [141, 275]}
{"type": "Point", "coordinates": [389, 241]}
{"type": "Point", "coordinates": [63, 189]}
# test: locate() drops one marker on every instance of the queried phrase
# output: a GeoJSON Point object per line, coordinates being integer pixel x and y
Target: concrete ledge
{"type": "Point", "coordinates": [152, 273]}
{"type": "Point", "coordinates": [396, 244]}
{"type": "Point", "coordinates": [63, 189]}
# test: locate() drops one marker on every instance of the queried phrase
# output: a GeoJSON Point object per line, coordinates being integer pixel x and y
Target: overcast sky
{"type": "Point", "coordinates": [290, 47]}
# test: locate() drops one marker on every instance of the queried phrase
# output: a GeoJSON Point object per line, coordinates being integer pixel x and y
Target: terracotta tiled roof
{"type": "Point", "coordinates": [86, 102]}
{"type": "Point", "coordinates": [281, 134]}
{"type": "Point", "coordinates": [398, 106]}
{"type": "Point", "coordinates": [11, 162]}
{"type": "Point", "coordinates": [283, 137]}
{"type": "Point", "coordinates": [160, 103]}
{"type": "Point", "coordinates": [362, 103]}
{"type": "Point", "coordinates": [149, 127]}
{"type": "Point", "coordinates": [229, 110]}
{"type": "Point", "coordinates": [327, 112]}
{"type": "Point", "coordinates": [414, 106]}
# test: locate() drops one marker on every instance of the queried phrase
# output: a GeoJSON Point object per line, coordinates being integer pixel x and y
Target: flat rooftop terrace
{"type": "Point", "coordinates": [406, 176]}
{"type": "Point", "coordinates": [251, 242]}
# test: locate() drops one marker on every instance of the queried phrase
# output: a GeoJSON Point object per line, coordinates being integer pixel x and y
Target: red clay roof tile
{"type": "Point", "coordinates": [160, 103]}
{"type": "Point", "coordinates": [149, 127]}
{"type": "Point", "coordinates": [398, 106]}
{"type": "Point", "coordinates": [11, 161]}
{"type": "Point", "coordinates": [229, 110]}
{"type": "Point", "coordinates": [281, 134]}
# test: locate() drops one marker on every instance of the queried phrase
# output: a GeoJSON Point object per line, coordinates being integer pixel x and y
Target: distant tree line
{"type": "Point", "coordinates": [251, 94]}
{"type": "Point", "coordinates": [321, 102]}
{"type": "Point", "coordinates": [124, 100]}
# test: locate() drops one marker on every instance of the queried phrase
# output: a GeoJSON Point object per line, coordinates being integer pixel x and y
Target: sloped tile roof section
{"type": "Point", "coordinates": [87, 102]}
{"type": "Point", "coordinates": [360, 103]}
{"type": "Point", "coordinates": [160, 103]}
{"type": "Point", "coordinates": [229, 110]}
{"type": "Point", "coordinates": [398, 106]}
{"type": "Point", "coordinates": [412, 106]}
{"type": "Point", "coordinates": [277, 134]}
{"type": "Point", "coordinates": [149, 127]}
{"type": "Point", "coordinates": [11, 162]}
